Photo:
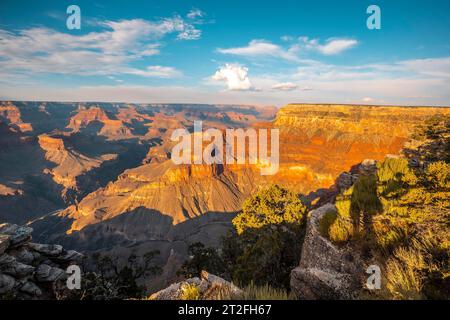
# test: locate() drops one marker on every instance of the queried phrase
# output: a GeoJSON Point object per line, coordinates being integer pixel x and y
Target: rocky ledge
{"type": "Point", "coordinates": [326, 271]}
{"type": "Point", "coordinates": [30, 270]}
{"type": "Point", "coordinates": [207, 287]}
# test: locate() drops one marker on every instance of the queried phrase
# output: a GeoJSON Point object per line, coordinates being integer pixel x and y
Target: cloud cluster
{"type": "Point", "coordinates": [312, 80]}
{"type": "Point", "coordinates": [285, 86]}
{"type": "Point", "coordinates": [264, 48]}
{"type": "Point", "coordinates": [106, 52]}
{"type": "Point", "coordinates": [331, 46]}
{"type": "Point", "coordinates": [235, 77]}
{"type": "Point", "coordinates": [261, 48]}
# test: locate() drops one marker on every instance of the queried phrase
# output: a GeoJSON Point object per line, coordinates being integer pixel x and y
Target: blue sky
{"type": "Point", "coordinates": [249, 52]}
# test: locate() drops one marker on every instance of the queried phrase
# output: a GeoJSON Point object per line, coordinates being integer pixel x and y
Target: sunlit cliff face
{"type": "Point", "coordinates": [317, 143]}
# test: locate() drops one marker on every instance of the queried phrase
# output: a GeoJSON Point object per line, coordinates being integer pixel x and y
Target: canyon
{"type": "Point", "coordinates": [98, 177]}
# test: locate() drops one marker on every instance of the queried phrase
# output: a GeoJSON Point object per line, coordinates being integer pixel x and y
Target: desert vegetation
{"type": "Point", "coordinates": [263, 247]}
{"type": "Point", "coordinates": [105, 278]}
{"type": "Point", "coordinates": [401, 216]}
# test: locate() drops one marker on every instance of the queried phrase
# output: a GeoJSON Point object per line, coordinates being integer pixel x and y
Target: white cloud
{"type": "Point", "coordinates": [287, 38]}
{"type": "Point", "coordinates": [156, 71]}
{"type": "Point", "coordinates": [331, 47]}
{"type": "Point", "coordinates": [437, 67]}
{"type": "Point", "coordinates": [189, 33]}
{"type": "Point", "coordinates": [195, 13]}
{"type": "Point", "coordinates": [285, 86]}
{"type": "Point", "coordinates": [235, 77]}
{"type": "Point", "coordinates": [109, 51]}
{"type": "Point", "coordinates": [262, 48]}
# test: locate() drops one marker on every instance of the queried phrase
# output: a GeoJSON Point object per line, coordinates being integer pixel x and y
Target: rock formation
{"type": "Point", "coordinates": [30, 270]}
{"type": "Point", "coordinates": [326, 271]}
{"type": "Point", "coordinates": [95, 119]}
{"type": "Point", "coordinates": [12, 116]}
{"type": "Point", "coordinates": [69, 163]}
{"type": "Point", "coordinates": [207, 287]}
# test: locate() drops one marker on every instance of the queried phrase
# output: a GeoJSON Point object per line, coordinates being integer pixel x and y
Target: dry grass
{"type": "Point", "coordinates": [190, 292]}
{"type": "Point", "coordinates": [264, 292]}
{"type": "Point", "coordinates": [341, 230]}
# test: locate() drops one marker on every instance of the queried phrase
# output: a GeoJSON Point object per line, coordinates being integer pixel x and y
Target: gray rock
{"type": "Point", "coordinates": [70, 256]}
{"type": "Point", "coordinates": [6, 259]}
{"type": "Point", "coordinates": [8, 228]}
{"type": "Point", "coordinates": [11, 266]}
{"type": "Point", "coordinates": [31, 288]}
{"type": "Point", "coordinates": [174, 291]}
{"type": "Point", "coordinates": [415, 163]}
{"type": "Point", "coordinates": [7, 283]}
{"type": "Point", "coordinates": [4, 243]}
{"type": "Point", "coordinates": [49, 262]}
{"type": "Point", "coordinates": [344, 181]}
{"type": "Point", "coordinates": [209, 287]}
{"type": "Point", "coordinates": [18, 234]}
{"type": "Point", "coordinates": [46, 273]}
{"type": "Point", "coordinates": [368, 166]}
{"type": "Point", "coordinates": [326, 271]}
{"type": "Point", "coordinates": [47, 249]}
{"type": "Point", "coordinates": [23, 255]}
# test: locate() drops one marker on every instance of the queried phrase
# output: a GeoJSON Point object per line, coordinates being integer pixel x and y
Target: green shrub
{"type": "Point", "coordinates": [343, 203]}
{"type": "Point", "coordinates": [270, 206]}
{"type": "Point", "coordinates": [264, 255]}
{"type": "Point", "coordinates": [202, 258]}
{"type": "Point", "coordinates": [325, 223]}
{"type": "Point", "coordinates": [365, 200]}
{"type": "Point", "coordinates": [394, 176]}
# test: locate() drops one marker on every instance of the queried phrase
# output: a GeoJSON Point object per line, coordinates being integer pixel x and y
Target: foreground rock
{"type": "Point", "coordinates": [30, 270]}
{"type": "Point", "coordinates": [207, 287]}
{"type": "Point", "coordinates": [326, 271]}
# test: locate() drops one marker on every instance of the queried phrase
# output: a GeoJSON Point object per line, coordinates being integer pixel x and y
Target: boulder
{"type": "Point", "coordinates": [31, 289]}
{"type": "Point", "coordinates": [174, 291]}
{"type": "Point", "coordinates": [4, 243]}
{"type": "Point", "coordinates": [210, 287]}
{"type": "Point", "coordinates": [6, 259]}
{"type": "Point", "coordinates": [9, 265]}
{"type": "Point", "coordinates": [345, 180]}
{"type": "Point", "coordinates": [46, 273]}
{"type": "Point", "coordinates": [326, 271]}
{"type": "Point", "coordinates": [368, 166]}
{"type": "Point", "coordinates": [47, 249]}
{"type": "Point", "coordinates": [23, 255]}
{"type": "Point", "coordinates": [30, 270]}
{"type": "Point", "coordinates": [18, 234]}
{"type": "Point", "coordinates": [69, 256]}
{"type": "Point", "coordinates": [7, 283]}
